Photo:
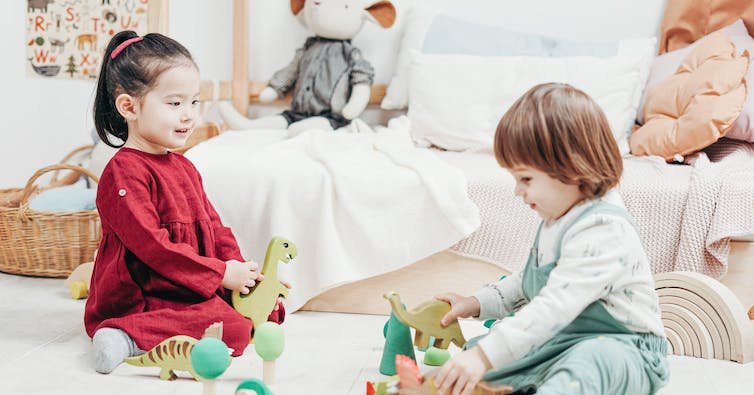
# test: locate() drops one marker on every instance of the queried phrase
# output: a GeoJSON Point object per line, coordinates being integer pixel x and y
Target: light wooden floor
{"type": "Point", "coordinates": [44, 350]}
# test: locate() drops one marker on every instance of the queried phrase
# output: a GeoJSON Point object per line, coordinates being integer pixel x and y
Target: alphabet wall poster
{"type": "Point", "coordinates": [66, 38]}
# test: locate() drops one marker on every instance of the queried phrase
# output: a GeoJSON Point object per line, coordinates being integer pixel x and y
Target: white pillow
{"type": "Point", "coordinates": [417, 22]}
{"type": "Point", "coordinates": [491, 28]}
{"type": "Point", "coordinates": [457, 100]}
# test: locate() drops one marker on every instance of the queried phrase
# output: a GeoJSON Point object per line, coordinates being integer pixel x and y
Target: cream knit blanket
{"type": "Point", "coordinates": [686, 214]}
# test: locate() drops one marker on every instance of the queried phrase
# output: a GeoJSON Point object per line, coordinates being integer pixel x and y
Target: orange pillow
{"type": "Point", "coordinates": [696, 105]}
{"type": "Point", "coordinates": [686, 21]}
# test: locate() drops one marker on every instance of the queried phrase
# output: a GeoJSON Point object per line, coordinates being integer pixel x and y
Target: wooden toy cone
{"type": "Point", "coordinates": [397, 341]}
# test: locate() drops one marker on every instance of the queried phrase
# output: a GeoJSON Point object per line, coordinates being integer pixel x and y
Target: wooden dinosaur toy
{"type": "Point", "coordinates": [259, 302]}
{"type": "Point", "coordinates": [425, 319]}
{"type": "Point", "coordinates": [174, 353]}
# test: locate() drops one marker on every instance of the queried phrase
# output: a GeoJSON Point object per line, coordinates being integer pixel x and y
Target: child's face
{"type": "Point", "coordinates": [549, 197]}
{"type": "Point", "coordinates": [166, 115]}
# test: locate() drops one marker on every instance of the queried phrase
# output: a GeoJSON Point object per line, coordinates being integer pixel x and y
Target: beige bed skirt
{"type": "Point", "coordinates": [447, 271]}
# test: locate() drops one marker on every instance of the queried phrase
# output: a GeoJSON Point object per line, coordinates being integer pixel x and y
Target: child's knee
{"type": "Point", "coordinates": [237, 334]}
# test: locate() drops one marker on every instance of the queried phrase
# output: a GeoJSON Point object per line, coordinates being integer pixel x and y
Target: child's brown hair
{"type": "Point", "coordinates": [561, 131]}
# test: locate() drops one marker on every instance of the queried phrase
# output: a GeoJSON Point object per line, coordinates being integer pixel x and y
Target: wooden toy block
{"type": "Point", "coordinates": [408, 371]}
{"type": "Point", "coordinates": [436, 356]}
{"type": "Point", "coordinates": [261, 300]}
{"type": "Point", "coordinates": [412, 383]}
{"type": "Point", "coordinates": [385, 387]}
{"type": "Point", "coordinates": [703, 318]}
{"type": "Point", "coordinates": [78, 290]}
{"type": "Point", "coordinates": [79, 279]}
{"type": "Point", "coordinates": [425, 319]}
{"type": "Point", "coordinates": [429, 388]}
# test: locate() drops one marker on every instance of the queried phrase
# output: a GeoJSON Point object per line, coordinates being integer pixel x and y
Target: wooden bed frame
{"type": "Point", "coordinates": [438, 272]}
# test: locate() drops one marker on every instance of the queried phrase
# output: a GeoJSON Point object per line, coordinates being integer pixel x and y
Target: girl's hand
{"type": "Point", "coordinates": [460, 307]}
{"type": "Point", "coordinates": [241, 276]}
{"type": "Point", "coordinates": [462, 373]}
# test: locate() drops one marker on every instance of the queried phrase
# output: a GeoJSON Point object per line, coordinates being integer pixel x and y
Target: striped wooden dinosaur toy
{"type": "Point", "coordinates": [174, 353]}
{"type": "Point", "coordinates": [259, 302]}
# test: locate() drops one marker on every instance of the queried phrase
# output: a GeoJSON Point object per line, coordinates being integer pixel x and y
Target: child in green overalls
{"type": "Point", "coordinates": [582, 317]}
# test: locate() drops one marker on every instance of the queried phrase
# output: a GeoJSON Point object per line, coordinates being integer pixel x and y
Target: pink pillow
{"type": "Point", "coordinates": [665, 65]}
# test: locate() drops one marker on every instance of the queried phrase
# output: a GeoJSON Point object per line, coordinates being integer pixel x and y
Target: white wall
{"type": "Point", "coordinates": [43, 119]}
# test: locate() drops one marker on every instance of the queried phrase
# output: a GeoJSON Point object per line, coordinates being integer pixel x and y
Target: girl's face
{"type": "Point", "coordinates": [549, 197]}
{"type": "Point", "coordinates": [165, 117]}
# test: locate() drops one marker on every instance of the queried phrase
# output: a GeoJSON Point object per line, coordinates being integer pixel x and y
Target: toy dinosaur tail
{"type": "Point", "coordinates": [176, 348]}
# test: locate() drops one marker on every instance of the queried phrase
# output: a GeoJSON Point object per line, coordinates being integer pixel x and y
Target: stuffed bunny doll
{"type": "Point", "coordinates": [330, 79]}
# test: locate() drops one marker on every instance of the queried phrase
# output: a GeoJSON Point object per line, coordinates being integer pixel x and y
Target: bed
{"type": "Point", "coordinates": [689, 216]}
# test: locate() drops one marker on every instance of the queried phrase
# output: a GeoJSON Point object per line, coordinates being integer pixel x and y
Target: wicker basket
{"type": "Point", "coordinates": [46, 243]}
{"type": "Point", "coordinates": [83, 151]}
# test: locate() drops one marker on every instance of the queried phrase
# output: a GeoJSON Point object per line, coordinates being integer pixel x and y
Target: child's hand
{"type": "Point", "coordinates": [460, 306]}
{"type": "Point", "coordinates": [241, 276]}
{"type": "Point", "coordinates": [461, 373]}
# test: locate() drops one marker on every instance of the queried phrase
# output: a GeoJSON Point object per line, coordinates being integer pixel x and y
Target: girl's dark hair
{"type": "Point", "coordinates": [561, 131]}
{"type": "Point", "coordinates": [134, 71]}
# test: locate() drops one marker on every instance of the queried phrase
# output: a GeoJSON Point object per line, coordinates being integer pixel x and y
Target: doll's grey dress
{"type": "Point", "coordinates": [321, 75]}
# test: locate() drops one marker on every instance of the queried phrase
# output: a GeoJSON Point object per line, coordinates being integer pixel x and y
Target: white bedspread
{"type": "Point", "coordinates": [356, 205]}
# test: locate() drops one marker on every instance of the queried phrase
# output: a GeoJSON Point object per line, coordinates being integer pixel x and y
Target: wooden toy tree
{"type": "Point", "coordinates": [269, 342]}
{"type": "Point", "coordinates": [210, 358]}
{"type": "Point", "coordinates": [253, 387]}
{"type": "Point", "coordinates": [397, 342]}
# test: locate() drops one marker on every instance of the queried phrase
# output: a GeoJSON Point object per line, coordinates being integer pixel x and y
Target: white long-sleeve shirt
{"type": "Point", "coordinates": [602, 259]}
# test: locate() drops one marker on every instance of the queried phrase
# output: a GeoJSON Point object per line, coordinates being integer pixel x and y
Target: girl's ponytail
{"type": "Point", "coordinates": [107, 119]}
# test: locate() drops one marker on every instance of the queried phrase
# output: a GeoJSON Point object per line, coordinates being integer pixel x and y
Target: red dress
{"type": "Point", "coordinates": [162, 256]}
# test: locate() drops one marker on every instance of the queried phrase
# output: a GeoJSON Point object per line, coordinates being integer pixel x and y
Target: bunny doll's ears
{"type": "Point", "coordinates": [381, 12]}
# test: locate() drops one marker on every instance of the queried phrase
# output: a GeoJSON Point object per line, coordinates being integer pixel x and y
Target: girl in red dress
{"type": "Point", "coordinates": [165, 262]}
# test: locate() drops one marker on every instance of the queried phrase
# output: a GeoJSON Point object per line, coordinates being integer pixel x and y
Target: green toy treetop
{"type": "Point", "coordinates": [210, 358]}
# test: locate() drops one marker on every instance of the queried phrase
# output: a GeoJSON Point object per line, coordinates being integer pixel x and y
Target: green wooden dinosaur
{"type": "Point", "coordinates": [425, 319]}
{"type": "Point", "coordinates": [259, 302]}
{"type": "Point", "coordinates": [174, 353]}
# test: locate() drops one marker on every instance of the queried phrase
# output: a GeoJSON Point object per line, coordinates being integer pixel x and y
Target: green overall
{"type": "Point", "coordinates": [594, 354]}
